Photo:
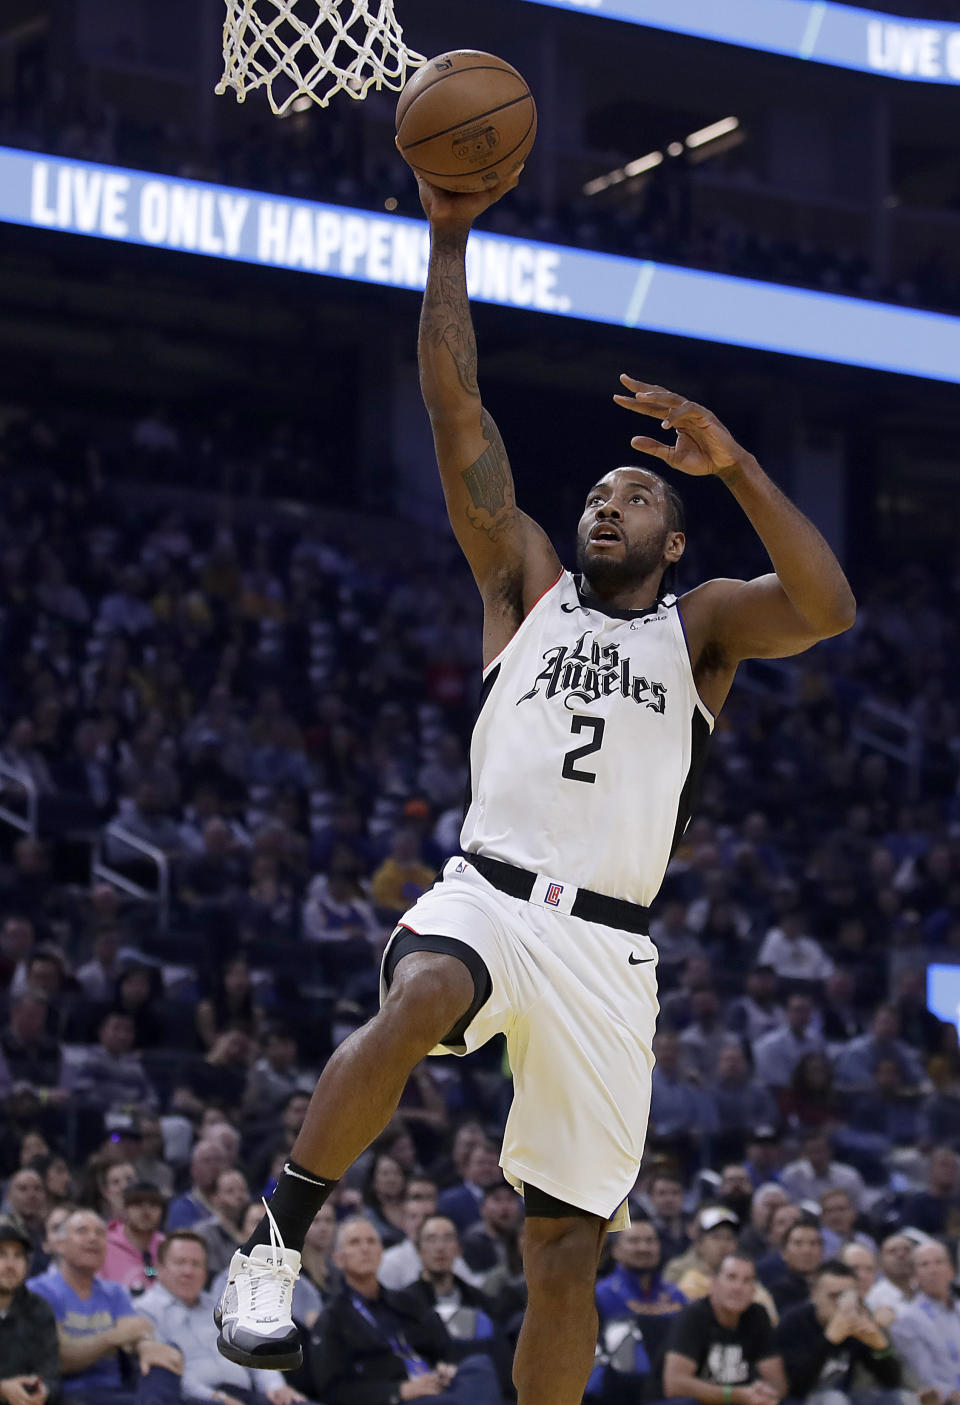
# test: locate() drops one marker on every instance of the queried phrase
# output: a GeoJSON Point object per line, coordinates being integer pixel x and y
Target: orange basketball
{"type": "Point", "coordinates": [466, 121]}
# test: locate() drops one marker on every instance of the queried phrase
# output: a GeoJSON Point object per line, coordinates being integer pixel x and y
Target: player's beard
{"type": "Point", "coordinates": [609, 575]}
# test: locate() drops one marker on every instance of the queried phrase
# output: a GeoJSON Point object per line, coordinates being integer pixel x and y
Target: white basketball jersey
{"type": "Point", "coordinates": [586, 756]}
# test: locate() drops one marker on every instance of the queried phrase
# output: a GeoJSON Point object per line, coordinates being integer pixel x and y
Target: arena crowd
{"type": "Point", "coordinates": [282, 717]}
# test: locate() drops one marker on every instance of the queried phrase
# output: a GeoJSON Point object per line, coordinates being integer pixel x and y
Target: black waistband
{"type": "Point", "coordinates": [592, 907]}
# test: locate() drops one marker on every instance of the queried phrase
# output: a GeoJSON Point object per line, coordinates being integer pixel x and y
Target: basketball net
{"type": "Point", "coordinates": [313, 49]}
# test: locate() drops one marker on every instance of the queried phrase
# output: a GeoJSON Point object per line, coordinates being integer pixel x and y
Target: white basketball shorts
{"type": "Point", "coordinates": [577, 1002]}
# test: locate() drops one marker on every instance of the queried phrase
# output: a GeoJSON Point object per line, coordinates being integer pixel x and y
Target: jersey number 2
{"type": "Point", "coordinates": [596, 725]}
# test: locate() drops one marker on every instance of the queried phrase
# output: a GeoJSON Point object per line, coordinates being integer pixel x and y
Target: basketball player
{"type": "Point", "coordinates": [599, 697]}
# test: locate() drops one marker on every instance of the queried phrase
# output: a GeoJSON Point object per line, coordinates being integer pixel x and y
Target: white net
{"type": "Point", "coordinates": [309, 50]}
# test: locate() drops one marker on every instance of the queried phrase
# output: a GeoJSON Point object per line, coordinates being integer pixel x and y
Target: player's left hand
{"type": "Point", "coordinates": [702, 446]}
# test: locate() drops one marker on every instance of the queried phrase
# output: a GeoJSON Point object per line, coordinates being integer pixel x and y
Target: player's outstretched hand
{"type": "Point", "coordinates": [446, 210]}
{"type": "Point", "coordinates": [702, 446]}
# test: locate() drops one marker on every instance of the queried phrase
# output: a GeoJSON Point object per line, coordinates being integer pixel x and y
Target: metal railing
{"type": "Point", "coordinates": [100, 867]}
{"type": "Point", "coordinates": [25, 822]}
{"type": "Point", "coordinates": [895, 734]}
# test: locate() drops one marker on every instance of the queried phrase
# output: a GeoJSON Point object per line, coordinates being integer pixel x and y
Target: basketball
{"type": "Point", "coordinates": [466, 121]}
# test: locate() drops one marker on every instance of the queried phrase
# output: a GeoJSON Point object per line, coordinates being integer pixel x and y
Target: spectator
{"type": "Point", "coordinates": [400, 1265]}
{"type": "Point", "coordinates": [109, 1076]}
{"type": "Point", "coordinates": [920, 1028]}
{"type": "Point", "coordinates": [841, 1018]}
{"type": "Point", "coordinates": [721, 1348]}
{"type": "Point", "coordinates": [856, 1063]}
{"type": "Point", "coordinates": [679, 1110]}
{"type": "Point", "coordinates": [82, 1302]}
{"type": "Point", "coordinates": [223, 1232]}
{"type": "Point", "coordinates": [54, 1171]}
{"type": "Point", "coordinates": [463, 1309]}
{"type": "Point", "coordinates": [764, 1155]}
{"type": "Point", "coordinates": [462, 1203]}
{"type": "Point", "coordinates": [230, 1005]}
{"type": "Point", "coordinates": [793, 953]}
{"type": "Point", "coordinates": [704, 1038]}
{"type": "Point", "coordinates": [134, 1240]}
{"type": "Point", "coordinates": [816, 1172]}
{"type": "Point", "coordinates": [715, 1236]}
{"type": "Point", "coordinates": [741, 1100]}
{"type": "Point", "coordinates": [735, 1190]}
{"type": "Point", "coordinates": [402, 876]}
{"type": "Point", "coordinates": [219, 1080]}
{"type": "Point", "coordinates": [383, 1195]}
{"type": "Point", "coordinates": [936, 1210]}
{"type": "Point", "coordinates": [863, 1261]}
{"type": "Point", "coordinates": [112, 1179]}
{"type": "Point", "coordinates": [336, 913]}
{"type": "Point", "coordinates": [636, 1288]}
{"type": "Point", "coordinates": [150, 1163]}
{"type": "Point", "coordinates": [387, 1340]}
{"type": "Point", "coordinates": [838, 1215]}
{"type": "Point", "coordinates": [670, 932]}
{"type": "Point", "coordinates": [492, 1241]}
{"type": "Point", "coordinates": [926, 1332]}
{"type": "Point", "coordinates": [29, 1350]}
{"type": "Point", "coordinates": [147, 819]}
{"type": "Point", "coordinates": [767, 1199]}
{"type": "Point", "coordinates": [98, 976]}
{"type": "Point", "coordinates": [823, 1343]}
{"type": "Point", "coordinates": [885, 1116]}
{"type": "Point", "coordinates": [316, 1261]}
{"type": "Point", "coordinates": [25, 1206]}
{"type": "Point", "coordinates": [665, 1209]}
{"type": "Point", "coordinates": [181, 1312]}
{"type": "Point", "coordinates": [27, 1052]}
{"type": "Point", "coordinates": [276, 1074]}
{"type": "Point", "coordinates": [810, 1101]}
{"type": "Point", "coordinates": [16, 943]}
{"type": "Point", "coordinates": [789, 1274]}
{"type": "Point", "coordinates": [757, 1012]}
{"type": "Point", "coordinates": [776, 1055]}
{"type": "Point", "coordinates": [894, 1288]}
{"type": "Point", "coordinates": [206, 1164]}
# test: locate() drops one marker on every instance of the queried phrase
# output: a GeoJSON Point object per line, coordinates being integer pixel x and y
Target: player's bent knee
{"type": "Point", "coordinates": [560, 1254]}
{"type": "Point", "coordinates": [429, 993]}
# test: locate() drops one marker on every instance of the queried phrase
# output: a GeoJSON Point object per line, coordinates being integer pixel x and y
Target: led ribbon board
{"type": "Point", "coordinates": [79, 197]}
{"type": "Point", "coordinates": [924, 50]}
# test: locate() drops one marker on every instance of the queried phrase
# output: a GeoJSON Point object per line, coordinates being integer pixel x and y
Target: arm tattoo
{"type": "Point", "coordinates": [490, 484]}
{"type": "Point", "coordinates": [445, 320]}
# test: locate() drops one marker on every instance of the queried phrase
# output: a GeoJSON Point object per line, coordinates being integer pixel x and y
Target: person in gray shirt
{"type": "Point", "coordinates": [926, 1333]}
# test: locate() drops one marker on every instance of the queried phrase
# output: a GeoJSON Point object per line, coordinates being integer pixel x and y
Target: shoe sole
{"type": "Point", "coordinates": [285, 1361]}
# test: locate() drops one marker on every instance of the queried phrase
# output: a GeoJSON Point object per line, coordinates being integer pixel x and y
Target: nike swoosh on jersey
{"type": "Point", "coordinates": [638, 960]}
{"type": "Point", "coordinates": [569, 609]}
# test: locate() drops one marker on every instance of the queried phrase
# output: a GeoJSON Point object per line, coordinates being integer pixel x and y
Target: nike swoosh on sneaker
{"type": "Point", "coordinates": [638, 960]}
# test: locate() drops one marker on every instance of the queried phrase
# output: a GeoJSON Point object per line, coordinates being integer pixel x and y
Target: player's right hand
{"type": "Point", "coordinates": [448, 211]}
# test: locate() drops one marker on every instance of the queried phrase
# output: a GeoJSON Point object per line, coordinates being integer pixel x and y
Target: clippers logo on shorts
{"type": "Point", "coordinates": [553, 894]}
{"type": "Point", "coordinates": [588, 672]}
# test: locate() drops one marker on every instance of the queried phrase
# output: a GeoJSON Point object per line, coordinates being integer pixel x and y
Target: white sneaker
{"type": "Point", "coordinates": [254, 1315]}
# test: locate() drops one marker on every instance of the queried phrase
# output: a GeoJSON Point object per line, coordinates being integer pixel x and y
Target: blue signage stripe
{"type": "Point", "coordinates": [924, 51]}
{"type": "Point", "coordinates": [80, 197]}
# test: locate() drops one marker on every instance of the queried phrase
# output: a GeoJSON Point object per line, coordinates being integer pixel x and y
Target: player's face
{"type": "Point", "coordinates": [623, 537]}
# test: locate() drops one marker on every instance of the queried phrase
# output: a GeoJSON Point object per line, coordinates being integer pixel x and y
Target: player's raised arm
{"type": "Point", "coordinates": [507, 552]}
{"type": "Point", "coordinates": [808, 597]}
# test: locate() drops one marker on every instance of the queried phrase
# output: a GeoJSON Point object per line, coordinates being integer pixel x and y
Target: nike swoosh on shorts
{"type": "Point", "coordinates": [638, 960]}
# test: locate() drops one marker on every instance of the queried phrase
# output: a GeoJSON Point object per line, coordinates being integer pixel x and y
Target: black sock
{"type": "Point", "coordinates": [294, 1203]}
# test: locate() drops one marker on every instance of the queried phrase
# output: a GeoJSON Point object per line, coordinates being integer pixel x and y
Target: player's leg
{"type": "Point", "coordinates": [353, 1101]}
{"type": "Point", "coordinates": [555, 1352]}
